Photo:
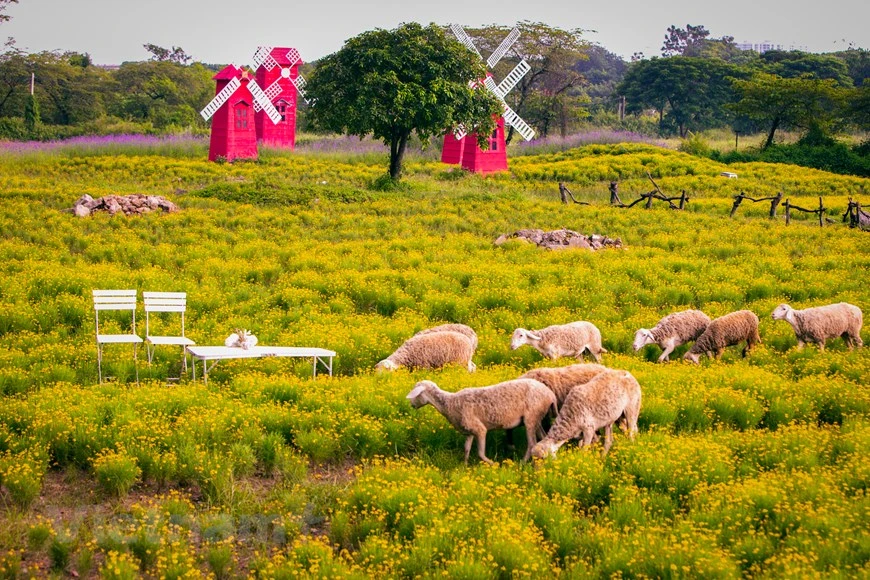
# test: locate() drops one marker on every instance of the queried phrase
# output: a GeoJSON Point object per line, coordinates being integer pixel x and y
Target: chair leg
{"type": "Point", "coordinates": [136, 361]}
{"type": "Point", "coordinates": [100, 362]}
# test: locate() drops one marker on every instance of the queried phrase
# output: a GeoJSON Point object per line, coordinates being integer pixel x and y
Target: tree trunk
{"type": "Point", "coordinates": [397, 152]}
{"type": "Point", "coordinates": [770, 135]}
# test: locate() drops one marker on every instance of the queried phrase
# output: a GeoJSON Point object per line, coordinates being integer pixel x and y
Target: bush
{"type": "Point", "coordinates": [116, 472]}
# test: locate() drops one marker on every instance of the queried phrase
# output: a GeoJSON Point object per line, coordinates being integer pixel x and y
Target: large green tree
{"type": "Point", "coordinates": [796, 103]}
{"type": "Point", "coordinates": [688, 92]}
{"type": "Point", "coordinates": [392, 83]}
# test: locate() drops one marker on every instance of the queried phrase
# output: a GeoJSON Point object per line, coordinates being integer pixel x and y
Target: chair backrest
{"type": "Point", "coordinates": [114, 300]}
{"type": "Point", "coordinates": [164, 302]}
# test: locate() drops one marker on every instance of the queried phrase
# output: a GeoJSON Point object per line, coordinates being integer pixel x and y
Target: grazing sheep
{"type": "Point", "coordinates": [460, 328]}
{"type": "Point", "coordinates": [597, 404]}
{"type": "Point", "coordinates": [477, 410]}
{"type": "Point", "coordinates": [241, 339]}
{"type": "Point", "coordinates": [431, 351]}
{"type": "Point", "coordinates": [562, 379]}
{"type": "Point", "coordinates": [725, 331]}
{"type": "Point", "coordinates": [823, 322]}
{"type": "Point", "coordinates": [561, 340]}
{"type": "Point", "coordinates": [672, 331]}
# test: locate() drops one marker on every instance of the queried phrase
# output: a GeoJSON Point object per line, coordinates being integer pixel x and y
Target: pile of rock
{"type": "Point", "coordinates": [561, 239]}
{"type": "Point", "coordinates": [133, 204]}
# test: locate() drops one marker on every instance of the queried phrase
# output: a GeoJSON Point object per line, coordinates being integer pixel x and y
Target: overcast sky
{"type": "Point", "coordinates": [219, 31]}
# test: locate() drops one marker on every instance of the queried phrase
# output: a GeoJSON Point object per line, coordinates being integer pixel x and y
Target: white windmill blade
{"type": "Point", "coordinates": [273, 90]}
{"type": "Point", "coordinates": [220, 98]}
{"type": "Point", "coordinates": [263, 101]}
{"type": "Point", "coordinates": [293, 56]}
{"type": "Point", "coordinates": [263, 57]}
{"type": "Point", "coordinates": [490, 84]}
{"type": "Point", "coordinates": [299, 83]}
{"type": "Point", "coordinates": [512, 119]}
{"type": "Point", "coordinates": [463, 37]}
{"type": "Point", "coordinates": [460, 132]}
{"type": "Point", "coordinates": [514, 77]}
{"type": "Point", "coordinates": [505, 45]}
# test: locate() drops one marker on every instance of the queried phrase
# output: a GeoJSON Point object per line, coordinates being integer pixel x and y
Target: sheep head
{"type": "Point", "coordinates": [692, 357]}
{"type": "Point", "coordinates": [419, 394]}
{"type": "Point", "coordinates": [781, 312]}
{"type": "Point", "coordinates": [522, 336]}
{"type": "Point", "coordinates": [642, 338]}
{"type": "Point", "coordinates": [386, 365]}
{"type": "Point", "coordinates": [544, 449]}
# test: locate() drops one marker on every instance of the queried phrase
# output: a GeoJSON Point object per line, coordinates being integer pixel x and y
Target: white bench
{"type": "Point", "coordinates": [215, 354]}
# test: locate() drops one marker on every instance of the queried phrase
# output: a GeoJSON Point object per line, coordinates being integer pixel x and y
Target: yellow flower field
{"type": "Point", "coordinates": [753, 467]}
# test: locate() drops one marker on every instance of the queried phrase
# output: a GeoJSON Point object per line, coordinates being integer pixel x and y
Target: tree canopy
{"type": "Point", "coordinates": [392, 83]}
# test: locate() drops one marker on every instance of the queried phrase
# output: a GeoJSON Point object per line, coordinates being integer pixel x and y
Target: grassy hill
{"type": "Point", "coordinates": [753, 467]}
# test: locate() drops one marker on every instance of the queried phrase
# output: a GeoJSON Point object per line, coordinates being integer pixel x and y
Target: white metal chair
{"type": "Point", "coordinates": [166, 302]}
{"type": "Point", "coordinates": [116, 300]}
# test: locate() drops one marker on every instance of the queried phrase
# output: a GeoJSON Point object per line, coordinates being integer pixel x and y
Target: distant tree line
{"type": "Point", "coordinates": [698, 83]}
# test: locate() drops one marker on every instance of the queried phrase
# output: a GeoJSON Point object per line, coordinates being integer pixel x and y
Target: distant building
{"type": "Point", "coordinates": [759, 47]}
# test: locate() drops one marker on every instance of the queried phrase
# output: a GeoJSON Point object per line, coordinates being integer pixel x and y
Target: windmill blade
{"type": "Point", "coordinates": [460, 132]}
{"type": "Point", "coordinates": [273, 90]}
{"type": "Point", "coordinates": [512, 119]}
{"type": "Point", "coordinates": [299, 83]}
{"type": "Point", "coordinates": [463, 37]}
{"type": "Point", "coordinates": [492, 87]}
{"type": "Point", "coordinates": [263, 58]}
{"type": "Point", "coordinates": [263, 101]}
{"type": "Point", "coordinates": [293, 56]}
{"type": "Point", "coordinates": [512, 79]}
{"type": "Point", "coordinates": [505, 45]}
{"type": "Point", "coordinates": [219, 99]}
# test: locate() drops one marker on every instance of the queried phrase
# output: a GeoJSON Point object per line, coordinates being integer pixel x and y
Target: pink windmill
{"type": "Point", "coordinates": [233, 131]}
{"type": "Point", "coordinates": [460, 148]}
{"type": "Point", "coordinates": [278, 71]}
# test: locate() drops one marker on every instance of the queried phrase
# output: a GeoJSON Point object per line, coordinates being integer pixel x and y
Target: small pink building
{"type": "Point", "coordinates": [233, 131]}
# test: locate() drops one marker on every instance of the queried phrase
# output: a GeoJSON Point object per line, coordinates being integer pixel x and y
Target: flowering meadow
{"type": "Point", "coordinates": [755, 467]}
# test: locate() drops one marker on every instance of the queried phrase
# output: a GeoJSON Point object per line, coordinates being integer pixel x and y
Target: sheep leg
{"type": "Point", "coordinates": [481, 446]}
{"type": "Point", "coordinates": [595, 355]}
{"type": "Point", "coordinates": [719, 352]}
{"type": "Point", "coordinates": [800, 345]}
{"type": "Point", "coordinates": [669, 348]}
{"type": "Point", "coordinates": [608, 438]}
{"type": "Point", "coordinates": [531, 439]}
{"type": "Point", "coordinates": [588, 436]}
{"type": "Point", "coordinates": [509, 437]}
{"type": "Point", "coordinates": [468, 441]}
{"type": "Point", "coordinates": [821, 344]}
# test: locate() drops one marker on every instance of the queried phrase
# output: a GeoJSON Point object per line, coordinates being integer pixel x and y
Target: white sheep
{"type": "Point", "coordinates": [672, 331]}
{"type": "Point", "coordinates": [460, 328]}
{"type": "Point", "coordinates": [823, 322]}
{"type": "Point", "coordinates": [241, 338]}
{"type": "Point", "coordinates": [561, 380]}
{"type": "Point", "coordinates": [562, 340]}
{"type": "Point", "coordinates": [431, 351]}
{"type": "Point", "coordinates": [592, 406]}
{"type": "Point", "coordinates": [726, 331]}
{"type": "Point", "coordinates": [477, 410]}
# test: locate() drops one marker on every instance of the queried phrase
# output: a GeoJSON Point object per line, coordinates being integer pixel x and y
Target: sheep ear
{"type": "Point", "coordinates": [534, 336]}
{"type": "Point", "coordinates": [415, 392]}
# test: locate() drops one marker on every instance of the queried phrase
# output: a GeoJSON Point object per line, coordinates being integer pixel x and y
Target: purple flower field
{"type": "Point", "coordinates": [555, 143]}
{"type": "Point", "coordinates": [106, 144]}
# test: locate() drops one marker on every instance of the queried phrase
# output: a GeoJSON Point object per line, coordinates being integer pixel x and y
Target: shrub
{"type": "Point", "coordinates": [116, 472]}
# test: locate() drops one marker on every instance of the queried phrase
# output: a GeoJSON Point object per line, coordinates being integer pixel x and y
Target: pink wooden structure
{"type": "Point", "coordinates": [233, 132]}
{"type": "Point", "coordinates": [278, 74]}
{"type": "Point", "coordinates": [466, 153]}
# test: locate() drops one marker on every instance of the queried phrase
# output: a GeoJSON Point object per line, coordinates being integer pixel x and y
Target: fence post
{"type": "Point", "coordinates": [614, 193]}
{"type": "Point", "coordinates": [738, 199]}
{"type": "Point", "coordinates": [821, 213]}
{"type": "Point", "coordinates": [774, 204]}
{"type": "Point", "coordinates": [683, 199]}
{"type": "Point", "coordinates": [649, 198]}
{"type": "Point", "coordinates": [787, 212]}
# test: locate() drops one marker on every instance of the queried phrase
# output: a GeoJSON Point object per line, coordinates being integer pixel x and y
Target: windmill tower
{"type": "Point", "coordinates": [233, 132]}
{"type": "Point", "coordinates": [278, 70]}
{"type": "Point", "coordinates": [460, 148]}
